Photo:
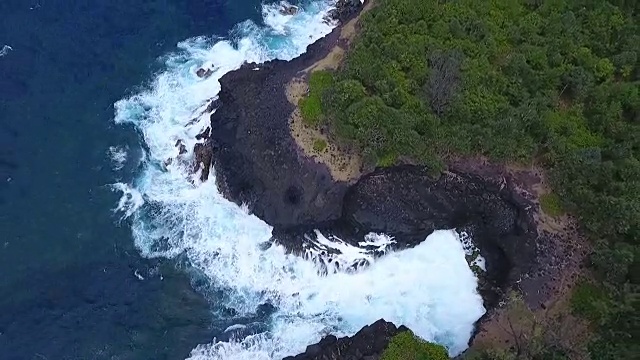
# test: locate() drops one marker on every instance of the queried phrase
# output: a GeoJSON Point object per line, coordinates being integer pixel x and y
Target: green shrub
{"type": "Point", "coordinates": [387, 160]}
{"type": "Point", "coordinates": [311, 109]}
{"type": "Point", "coordinates": [589, 301]}
{"type": "Point", "coordinates": [551, 204]}
{"type": "Point", "coordinates": [407, 346]}
{"type": "Point", "coordinates": [556, 82]}
{"type": "Point", "coordinates": [319, 145]}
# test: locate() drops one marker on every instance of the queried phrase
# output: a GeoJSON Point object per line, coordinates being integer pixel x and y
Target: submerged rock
{"type": "Point", "coordinates": [288, 10]}
{"type": "Point", "coordinates": [119, 308]}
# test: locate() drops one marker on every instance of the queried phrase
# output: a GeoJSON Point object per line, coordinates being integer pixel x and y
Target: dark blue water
{"type": "Point", "coordinates": [67, 283]}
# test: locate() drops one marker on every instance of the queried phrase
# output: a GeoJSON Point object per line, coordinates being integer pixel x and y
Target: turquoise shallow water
{"type": "Point", "coordinates": [68, 288]}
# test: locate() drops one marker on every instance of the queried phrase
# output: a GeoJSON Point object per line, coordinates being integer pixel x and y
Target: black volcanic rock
{"type": "Point", "coordinates": [256, 158]}
{"type": "Point", "coordinates": [368, 343]}
{"type": "Point", "coordinates": [258, 163]}
{"type": "Point", "coordinates": [406, 202]}
{"type": "Point", "coordinates": [346, 9]}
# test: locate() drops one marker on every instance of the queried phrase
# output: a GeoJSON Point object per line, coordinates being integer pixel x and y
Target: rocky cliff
{"type": "Point", "coordinates": [258, 163]}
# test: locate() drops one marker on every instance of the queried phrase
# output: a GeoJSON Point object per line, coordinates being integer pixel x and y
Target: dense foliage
{"type": "Point", "coordinates": [554, 82]}
{"type": "Point", "coordinates": [406, 346]}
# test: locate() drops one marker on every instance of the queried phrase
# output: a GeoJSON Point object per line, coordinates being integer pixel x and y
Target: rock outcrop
{"type": "Point", "coordinates": [259, 164]}
{"type": "Point", "coordinates": [256, 159]}
{"type": "Point", "coordinates": [406, 203]}
{"type": "Point", "coordinates": [368, 343]}
{"type": "Point", "coordinates": [345, 9]}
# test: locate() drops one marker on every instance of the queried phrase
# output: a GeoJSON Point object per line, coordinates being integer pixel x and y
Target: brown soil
{"type": "Point", "coordinates": [515, 328]}
{"type": "Point", "coordinates": [344, 165]}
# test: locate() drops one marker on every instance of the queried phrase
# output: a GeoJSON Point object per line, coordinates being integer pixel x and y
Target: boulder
{"type": "Point", "coordinates": [288, 10]}
{"type": "Point", "coordinates": [204, 73]}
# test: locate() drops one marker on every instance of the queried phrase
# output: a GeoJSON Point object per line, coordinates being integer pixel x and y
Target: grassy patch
{"type": "Point", "coordinates": [387, 160]}
{"type": "Point", "coordinates": [551, 204]}
{"type": "Point", "coordinates": [311, 106]}
{"type": "Point", "coordinates": [407, 346]}
{"type": "Point", "coordinates": [589, 301]}
{"type": "Point", "coordinates": [319, 145]}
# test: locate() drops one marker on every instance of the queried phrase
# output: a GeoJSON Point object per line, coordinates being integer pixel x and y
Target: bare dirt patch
{"type": "Point", "coordinates": [343, 165]}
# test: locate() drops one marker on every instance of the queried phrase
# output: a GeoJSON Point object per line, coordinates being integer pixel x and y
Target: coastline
{"type": "Point", "coordinates": [344, 164]}
{"type": "Point", "coordinates": [260, 162]}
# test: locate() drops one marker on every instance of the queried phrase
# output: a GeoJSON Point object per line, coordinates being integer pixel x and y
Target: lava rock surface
{"type": "Point", "coordinates": [368, 343]}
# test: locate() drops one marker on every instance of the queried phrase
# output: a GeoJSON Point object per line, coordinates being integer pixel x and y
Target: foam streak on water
{"type": "Point", "coordinates": [429, 288]}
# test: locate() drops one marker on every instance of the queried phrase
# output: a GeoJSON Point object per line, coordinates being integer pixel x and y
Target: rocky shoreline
{"type": "Point", "coordinates": [259, 164]}
{"type": "Point", "coordinates": [368, 343]}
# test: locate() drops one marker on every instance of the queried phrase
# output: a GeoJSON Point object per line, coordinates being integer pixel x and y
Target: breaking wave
{"type": "Point", "coordinates": [429, 288]}
{"type": "Point", "coordinates": [5, 50]}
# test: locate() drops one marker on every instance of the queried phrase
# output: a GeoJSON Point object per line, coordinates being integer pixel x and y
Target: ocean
{"type": "Point", "coordinates": [109, 251]}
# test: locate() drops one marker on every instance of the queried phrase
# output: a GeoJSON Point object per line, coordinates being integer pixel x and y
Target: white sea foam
{"type": "Point", "coordinates": [118, 156]}
{"type": "Point", "coordinates": [5, 50]}
{"type": "Point", "coordinates": [429, 288]}
{"type": "Point", "coordinates": [130, 201]}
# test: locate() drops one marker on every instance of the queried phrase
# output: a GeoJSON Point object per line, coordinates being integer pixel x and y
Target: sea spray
{"type": "Point", "coordinates": [429, 288]}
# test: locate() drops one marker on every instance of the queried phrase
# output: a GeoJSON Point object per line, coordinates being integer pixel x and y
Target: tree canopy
{"type": "Point", "coordinates": [551, 82]}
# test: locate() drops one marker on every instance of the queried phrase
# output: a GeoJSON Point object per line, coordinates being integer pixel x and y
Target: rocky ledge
{"type": "Point", "coordinates": [368, 343]}
{"type": "Point", "coordinates": [258, 163]}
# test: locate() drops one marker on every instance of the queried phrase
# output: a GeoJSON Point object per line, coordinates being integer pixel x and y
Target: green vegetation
{"type": "Point", "coordinates": [555, 81]}
{"type": "Point", "coordinates": [407, 346]}
{"type": "Point", "coordinates": [319, 145]}
{"type": "Point", "coordinates": [586, 301]}
{"type": "Point", "coordinates": [551, 204]}
{"type": "Point", "coordinates": [311, 106]}
{"type": "Point", "coordinates": [531, 335]}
